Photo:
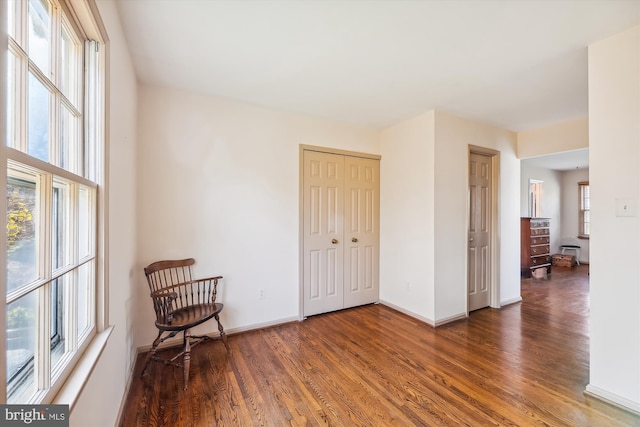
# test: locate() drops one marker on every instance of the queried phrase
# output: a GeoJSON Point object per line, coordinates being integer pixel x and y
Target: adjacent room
{"type": "Point", "coordinates": [350, 176]}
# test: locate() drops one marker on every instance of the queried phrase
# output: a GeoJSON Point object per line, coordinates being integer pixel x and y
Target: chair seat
{"type": "Point", "coordinates": [191, 316]}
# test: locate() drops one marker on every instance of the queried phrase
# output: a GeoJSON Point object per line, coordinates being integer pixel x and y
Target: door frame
{"type": "Point", "coordinates": [494, 289]}
{"type": "Point", "coordinates": [302, 149]}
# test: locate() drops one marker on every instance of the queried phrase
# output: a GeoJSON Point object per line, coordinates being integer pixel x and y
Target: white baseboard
{"type": "Point", "coordinates": [426, 320]}
{"type": "Point", "coordinates": [613, 399]}
{"type": "Point", "coordinates": [451, 319]}
{"type": "Point", "coordinates": [510, 301]}
{"type": "Point", "coordinates": [430, 322]}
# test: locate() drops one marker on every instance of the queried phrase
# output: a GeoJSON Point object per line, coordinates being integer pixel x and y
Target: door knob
{"type": "Point", "coordinates": [354, 240]}
{"type": "Point", "coordinates": [334, 241]}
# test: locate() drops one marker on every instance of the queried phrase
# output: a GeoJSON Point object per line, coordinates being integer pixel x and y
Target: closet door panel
{"type": "Point", "coordinates": [323, 249]}
{"type": "Point", "coordinates": [362, 207]}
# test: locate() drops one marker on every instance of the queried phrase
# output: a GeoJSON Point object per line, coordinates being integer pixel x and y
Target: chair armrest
{"type": "Point", "coordinates": [208, 278]}
{"type": "Point", "coordinates": [163, 305]}
{"type": "Point", "coordinates": [164, 294]}
{"type": "Point", "coordinates": [210, 284]}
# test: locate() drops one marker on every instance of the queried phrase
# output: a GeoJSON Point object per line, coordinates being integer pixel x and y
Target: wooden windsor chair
{"type": "Point", "coordinates": [180, 303]}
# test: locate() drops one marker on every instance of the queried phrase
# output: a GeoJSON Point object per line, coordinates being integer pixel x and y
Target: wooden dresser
{"type": "Point", "coordinates": [534, 245]}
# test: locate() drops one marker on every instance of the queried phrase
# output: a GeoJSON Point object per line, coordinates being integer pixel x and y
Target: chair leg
{"type": "Point", "coordinates": [223, 335]}
{"type": "Point", "coordinates": [151, 353]}
{"type": "Point", "coordinates": [187, 357]}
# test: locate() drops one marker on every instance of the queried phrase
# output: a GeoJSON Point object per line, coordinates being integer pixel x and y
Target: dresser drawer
{"type": "Point", "coordinates": [541, 240]}
{"type": "Point", "coordinates": [539, 231]}
{"type": "Point", "coordinates": [540, 260]}
{"type": "Point", "coordinates": [538, 223]}
{"type": "Point", "coordinates": [540, 250]}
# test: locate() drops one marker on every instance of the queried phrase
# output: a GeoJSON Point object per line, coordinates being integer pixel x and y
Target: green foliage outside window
{"type": "Point", "coordinates": [20, 225]}
{"type": "Point", "coordinates": [19, 317]}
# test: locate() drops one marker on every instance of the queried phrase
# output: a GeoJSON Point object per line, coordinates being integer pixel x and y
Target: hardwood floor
{"type": "Point", "coordinates": [525, 364]}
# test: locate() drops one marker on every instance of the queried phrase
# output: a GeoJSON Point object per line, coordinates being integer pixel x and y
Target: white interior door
{"type": "Point", "coordinates": [340, 226]}
{"type": "Point", "coordinates": [323, 209]}
{"type": "Point", "coordinates": [362, 187]}
{"type": "Point", "coordinates": [479, 268]}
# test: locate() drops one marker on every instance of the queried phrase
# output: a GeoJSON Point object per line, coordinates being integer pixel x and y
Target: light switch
{"type": "Point", "coordinates": [626, 207]}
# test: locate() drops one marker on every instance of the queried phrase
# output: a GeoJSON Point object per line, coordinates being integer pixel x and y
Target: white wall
{"type": "Point", "coordinates": [614, 153]}
{"type": "Point", "coordinates": [569, 210]}
{"type": "Point", "coordinates": [218, 181]}
{"type": "Point", "coordinates": [453, 137]}
{"type": "Point", "coordinates": [101, 398]}
{"type": "Point", "coordinates": [552, 199]}
{"type": "Point", "coordinates": [407, 222]}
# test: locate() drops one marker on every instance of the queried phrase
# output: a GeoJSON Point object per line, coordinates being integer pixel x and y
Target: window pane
{"type": "Point", "coordinates": [69, 131]}
{"type": "Point", "coordinates": [11, 10]}
{"type": "Point", "coordinates": [69, 66]}
{"type": "Point", "coordinates": [38, 119]}
{"type": "Point", "coordinates": [587, 223]}
{"type": "Point", "coordinates": [59, 313]}
{"type": "Point", "coordinates": [86, 285]}
{"type": "Point", "coordinates": [60, 224]}
{"type": "Point", "coordinates": [85, 236]}
{"type": "Point", "coordinates": [21, 343]}
{"type": "Point", "coordinates": [21, 232]}
{"type": "Point", "coordinates": [11, 100]}
{"type": "Point", "coordinates": [586, 198]}
{"type": "Point", "coordinates": [40, 34]}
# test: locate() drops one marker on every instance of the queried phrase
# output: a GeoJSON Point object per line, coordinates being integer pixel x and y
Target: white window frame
{"type": "Point", "coordinates": [582, 210]}
{"type": "Point", "coordinates": [83, 19]}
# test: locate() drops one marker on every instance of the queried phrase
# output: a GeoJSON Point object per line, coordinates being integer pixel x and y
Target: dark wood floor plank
{"type": "Point", "coordinates": [526, 364]}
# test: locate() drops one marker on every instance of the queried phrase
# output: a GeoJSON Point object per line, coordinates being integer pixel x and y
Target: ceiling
{"type": "Point", "coordinates": [516, 64]}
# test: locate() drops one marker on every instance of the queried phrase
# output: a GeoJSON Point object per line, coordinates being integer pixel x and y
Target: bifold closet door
{"type": "Point", "coordinates": [340, 217]}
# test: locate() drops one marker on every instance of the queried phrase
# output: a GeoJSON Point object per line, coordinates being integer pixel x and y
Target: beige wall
{"type": "Point", "coordinates": [100, 400]}
{"type": "Point", "coordinates": [407, 220]}
{"type": "Point", "coordinates": [566, 136]}
{"type": "Point", "coordinates": [614, 153]}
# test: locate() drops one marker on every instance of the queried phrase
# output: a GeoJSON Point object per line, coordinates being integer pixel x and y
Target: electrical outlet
{"type": "Point", "coordinates": [261, 294]}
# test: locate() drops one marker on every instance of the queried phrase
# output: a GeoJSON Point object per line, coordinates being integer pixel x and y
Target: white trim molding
{"type": "Point", "coordinates": [430, 322]}
{"type": "Point", "coordinates": [510, 301]}
{"type": "Point", "coordinates": [612, 399]}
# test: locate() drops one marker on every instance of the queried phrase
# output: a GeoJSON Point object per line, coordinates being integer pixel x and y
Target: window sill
{"type": "Point", "coordinates": [74, 385]}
